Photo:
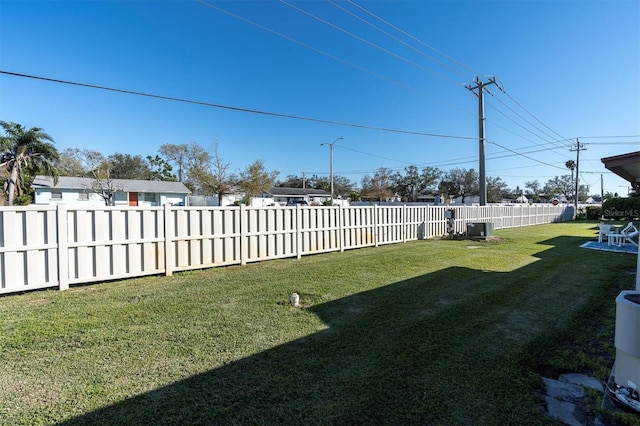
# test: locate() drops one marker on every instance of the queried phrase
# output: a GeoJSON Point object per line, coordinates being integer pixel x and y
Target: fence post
{"type": "Point", "coordinates": [244, 243]}
{"type": "Point", "coordinates": [375, 225]}
{"type": "Point", "coordinates": [340, 228]}
{"type": "Point", "coordinates": [63, 247]}
{"type": "Point", "coordinates": [168, 241]}
{"type": "Point", "coordinates": [298, 231]}
{"type": "Point", "coordinates": [404, 223]}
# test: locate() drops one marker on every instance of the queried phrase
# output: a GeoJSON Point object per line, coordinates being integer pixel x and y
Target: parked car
{"type": "Point", "coordinates": [296, 202]}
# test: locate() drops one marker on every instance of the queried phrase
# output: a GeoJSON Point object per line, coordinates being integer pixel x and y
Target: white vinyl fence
{"type": "Point", "coordinates": [56, 246]}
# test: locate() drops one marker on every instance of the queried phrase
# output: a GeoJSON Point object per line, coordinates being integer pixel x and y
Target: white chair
{"type": "Point", "coordinates": [627, 235]}
{"type": "Point", "coordinates": [604, 230]}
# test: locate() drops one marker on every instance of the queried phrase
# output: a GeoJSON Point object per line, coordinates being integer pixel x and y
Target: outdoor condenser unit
{"type": "Point", "coordinates": [627, 340]}
{"type": "Point", "coordinates": [480, 229]}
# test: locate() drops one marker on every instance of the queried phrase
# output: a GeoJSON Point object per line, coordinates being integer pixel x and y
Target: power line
{"type": "Point", "coordinates": [414, 38]}
{"type": "Point", "coordinates": [525, 156]}
{"type": "Point", "coordinates": [130, 92]}
{"type": "Point", "coordinates": [398, 40]}
{"type": "Point", "coordinates": [607, 137]}
{"type": "Point", "coordinates": [233, 108]}
{"type": "Point", "coordinates": [330, 56]}
{"type": "Point", "coordinates": [613, 143]}
{"type": "Point", "coordinates": [430, 47]}
{"type": "Point", "coordinates": [525, 120]}
{"type": "Point", "coordinates": [397, 56]}
{"type": "Point", "coordinates": [382, 49]}
{"type": "Point", "coordinates": [531, 114]}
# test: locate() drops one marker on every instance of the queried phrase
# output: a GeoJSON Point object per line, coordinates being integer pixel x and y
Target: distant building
{"type": "Point", "coordinates": [312, 196]}
{"type": "Point", "coordinates": [78, 191]}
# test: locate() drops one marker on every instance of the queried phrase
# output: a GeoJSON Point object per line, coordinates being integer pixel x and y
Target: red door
{"type": "Point", "coordinates": [133, 198]}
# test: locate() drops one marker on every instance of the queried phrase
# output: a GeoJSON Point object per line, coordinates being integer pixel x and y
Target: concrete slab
{"type": "Point", "coordinates": [562, 410]}
{"type": "Point", "coordinates": [583, 380]}
{"type": "Point", "coordinates": [563, 390]}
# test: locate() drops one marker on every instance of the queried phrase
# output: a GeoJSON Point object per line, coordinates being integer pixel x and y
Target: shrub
{"type": "Point", "coordinates": [621, 208]}
{"type": "Point", "coordinates": [593, 212]}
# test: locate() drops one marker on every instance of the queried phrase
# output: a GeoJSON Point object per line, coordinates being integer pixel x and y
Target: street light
{"type": "Point", "coordinates": [331, 161]}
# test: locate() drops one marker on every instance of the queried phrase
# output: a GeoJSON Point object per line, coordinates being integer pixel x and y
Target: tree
{"type": "Point", "coordinates": [255, 179]}
{"type": "Point", "coordinates": [98, 168]}
{"type": "Point", "coordinates": [341, 185]}
{"type": "Point", "coordinates": [571, 165]}
{"type": "Point", "coordinates": [378, 187]}
{"type": "Point", "coordinates": [497, 189]}
{"type": "Point", "coordinates": [214, 178]}
{"type": "Point", "coordinates": [26, 153]}
{"type": "Point", "coordinates": [127, 166]}
{"type": "Point", "coordinates": [160, 169]}
{"type": "Point", "coordinates": [320, 182]}
{"type": "Point", "coordinates": [533, 190]}
{"type": "Point", "coordinates": [291, 181]}
{"type": "Point", "coordinates": [407, 186]}
{"type": "Point", "coordinates": [558, 186]}
{"type": "Point", "coordinates": [187, 158]}
{"type": "Point", "coordinates": [429, 177]}
{"type": "Point", "coordinates": [69, 163]}
{"type": "Point", "coordinates": [460, 183]}
{"type": "Point", "coordinates": [583, 192]}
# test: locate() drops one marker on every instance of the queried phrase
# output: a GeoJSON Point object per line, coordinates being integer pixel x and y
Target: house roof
{"type": "Point", "coordinates": [292, 192]}
{"type": "Point", "coordinates": [627, 166]}
{"type": "Point", "coordinates": [125, 185]}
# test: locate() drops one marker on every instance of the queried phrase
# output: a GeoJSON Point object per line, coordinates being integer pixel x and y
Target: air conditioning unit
{"type": "Point", "coordinates": [627, 340]}
{"type": "Point", "coordinates": [624, 384]}
{"type": "Point", "coordinates": [480, 230]}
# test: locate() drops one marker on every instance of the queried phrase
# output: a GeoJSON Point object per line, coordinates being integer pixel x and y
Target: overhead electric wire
{"type": "Point", "coordinates": [525, 156]}
{"type": "Point", "coordinates": [330, 56]}
{"type": "Point", "coordinates": [414, 38]}
{"type": "Point", "coordinates": [382, 49]}
{"type": "Point", "coordinates": [374, 155]}
{"type": "Point", "coordinates": [553, 141]}
{"type": "Point", "coordinates": [400, 57]}
{"type": "Point", "coordinates": [398, 40]}
{"type": "Point", "coordinates": [608, 137]}
{"type": "Point", "coordinates": [526, 121]}
{"type": "Point", "coordinates": [366, 70]}
{"type": "Point", "coordinates": [636, 143]}
{"type": "Point", "coordinates": [519, 125]}
{"type": "Point", "coordinates": [233, 108]}
{"type": "Point", "coordinates": [531, 114]}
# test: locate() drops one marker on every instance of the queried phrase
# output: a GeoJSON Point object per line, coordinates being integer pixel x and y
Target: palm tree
{"type": "Point", "coordinates": [571, 165]}
{"type": "Point", "coordinates": [25, 153]}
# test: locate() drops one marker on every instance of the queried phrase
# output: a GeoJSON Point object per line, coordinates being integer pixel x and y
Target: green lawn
{"type": "Point", "coordinates": [428, 332]}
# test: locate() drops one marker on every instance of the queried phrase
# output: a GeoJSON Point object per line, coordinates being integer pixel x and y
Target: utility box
{"type": "Point", "coordinates": [480, 230]}
{"type": "Point", "coordinates": [627, 340]}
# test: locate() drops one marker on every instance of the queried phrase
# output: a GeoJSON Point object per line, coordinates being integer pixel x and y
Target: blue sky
{"type": "Point", "coordinates": [570, 69]}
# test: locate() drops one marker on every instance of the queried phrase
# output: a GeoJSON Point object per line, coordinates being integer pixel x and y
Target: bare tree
{"type": "Point", "coordinates": [214, 178]}
{"type": "Point", "coordinates": [188, 159]}
{"type": "Point", "coordinates": [98, 168]}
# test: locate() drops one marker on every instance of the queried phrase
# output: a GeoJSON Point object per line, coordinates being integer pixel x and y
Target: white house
{"type": "Point", "coordinates": [129, 192]}
{"type": "Point", "coordinates": [284, 195]}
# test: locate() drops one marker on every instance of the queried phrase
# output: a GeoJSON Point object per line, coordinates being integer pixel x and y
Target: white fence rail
{"type": "Point", "coordinates": [56, 246]}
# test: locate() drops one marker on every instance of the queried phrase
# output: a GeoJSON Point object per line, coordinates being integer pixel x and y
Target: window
{"type": "Point", "coordinates": [150, 197]}
{"type": "Point", "coordinates": [83, 196]}
{"type": "Point", "coordinates": [56, 195]}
